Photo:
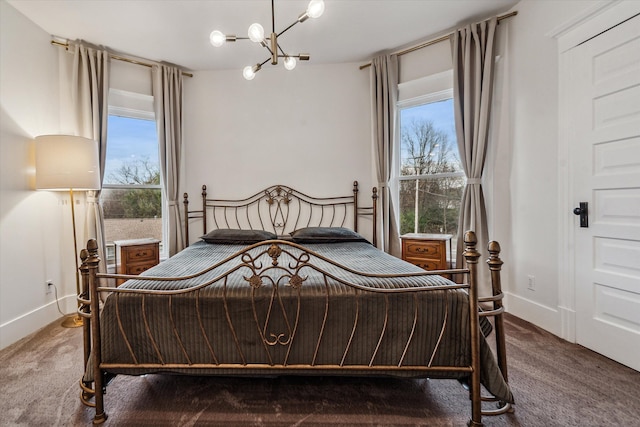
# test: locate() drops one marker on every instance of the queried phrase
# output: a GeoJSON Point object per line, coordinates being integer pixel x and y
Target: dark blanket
{"type": "Point", "coordinates": [281, 319]}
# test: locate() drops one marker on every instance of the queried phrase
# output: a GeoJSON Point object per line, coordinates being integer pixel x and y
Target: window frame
{"type": "Point", "coordinates": [138, 106]}
{"type": "Point", "coordinates": [435, 88]}
{"type": "Point", "coordinates": [429, 98]}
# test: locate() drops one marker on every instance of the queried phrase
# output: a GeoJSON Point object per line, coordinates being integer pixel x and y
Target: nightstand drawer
{"type": "Point", "coordinates": [426, 264]}
{"type": "Point", "coordinates": [424, 249]}
{"type": "Point", "coordinates": [138, 268]}
{"type": "Point", "coordinates": [140, 253]}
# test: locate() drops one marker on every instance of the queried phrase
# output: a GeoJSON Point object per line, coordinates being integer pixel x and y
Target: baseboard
{"type": "Point", "coordinates": [540, 315]}
{"type": "Point", "coordinates": [18, 328]}
{"type": "Point", "coordinates": [568, 323]}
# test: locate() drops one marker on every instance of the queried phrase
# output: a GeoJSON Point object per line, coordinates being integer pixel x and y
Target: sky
{"type": "Point", "coordinates": [440, 113]}
{"type": "Point", "coordinates": [129, 140]}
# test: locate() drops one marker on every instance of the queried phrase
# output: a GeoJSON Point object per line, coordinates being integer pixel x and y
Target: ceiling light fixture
{"type": "Point", "coordinates": [256, 34]}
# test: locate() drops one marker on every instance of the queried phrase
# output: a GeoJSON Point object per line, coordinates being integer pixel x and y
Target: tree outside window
{"type": "Point", "coordinates": [431, 177]}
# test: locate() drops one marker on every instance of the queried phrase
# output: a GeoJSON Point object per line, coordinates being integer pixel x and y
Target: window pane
{"type": "Point", "coordinates": [131, 214]}
{"type": "Point", "coordinates": [132, 152]}
{"type": "Point", "coordinates": [132, 203]}
{"type": "Point", "coordinates": [132, 160]}
{"type": "Point", "coordinates": [428, 147]}
{"type": "Point", "coordinates": [438, 205]}
{"type": "Point", "coordinates": [428, 139]}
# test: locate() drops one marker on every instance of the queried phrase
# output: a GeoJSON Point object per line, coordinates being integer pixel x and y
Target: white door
{"type": "Point", "coordinates": [605, 164]}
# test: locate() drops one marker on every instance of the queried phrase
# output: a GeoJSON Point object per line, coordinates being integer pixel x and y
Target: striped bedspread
{"type": "Point", "coordinates": [290, 314]}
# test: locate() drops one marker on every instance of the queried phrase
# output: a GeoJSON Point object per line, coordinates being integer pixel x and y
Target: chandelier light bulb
{"type": "Point", "coordinates": [256, 33]}
{"type": "Point", "coordinates": [289, 63]}
{"type": "Point", "coordinates": [248, 73]}
{"type": "Point", "coordinates": [315, 8]}
{"type": "Point", "coordinates": [217, 38]}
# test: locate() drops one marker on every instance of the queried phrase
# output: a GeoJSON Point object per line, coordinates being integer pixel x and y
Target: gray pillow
{"type": "Point", "coordinates": [237, 237]}
{"type": "Point", "coordinates": [326, 235]}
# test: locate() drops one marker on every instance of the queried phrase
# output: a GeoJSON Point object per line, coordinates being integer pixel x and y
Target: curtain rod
{"type": "Point", "coordinates": [119, 58]}
{"type": "Point", "coordinates": [434, 41]}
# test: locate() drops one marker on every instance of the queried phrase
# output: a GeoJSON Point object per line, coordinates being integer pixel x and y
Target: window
{"type": "Point", "coordinates": [131, 193]}
{"type": "Point", "coordinates": [431, 178]}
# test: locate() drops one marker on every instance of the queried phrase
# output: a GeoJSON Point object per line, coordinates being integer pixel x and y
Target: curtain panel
{"type": "Point", "coordinates": [384, 98]}
{"type": "Point", "coordinates": [473, 71]}
{"type": "Point", "coordinates": [167, 98]}
{"type": "Point", "coordinates": [90, 100]}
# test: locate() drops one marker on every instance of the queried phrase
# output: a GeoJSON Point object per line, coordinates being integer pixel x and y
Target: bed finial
{"type": "Point", "coordinates": [84, 254]}
{"type": "Point", "coordinates": [494, 260]}
{"type": "Point", "coordinates": [470, 253]}
{"type": "Point", "coordinates": [495, 265]}
{"type": "Point", "coordinates": [92, 248]}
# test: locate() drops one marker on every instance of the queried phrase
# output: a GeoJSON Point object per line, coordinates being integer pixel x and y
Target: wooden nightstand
{"type": "Point", "coordinates": [136, 256]}
{"type": "Point", "coordinates": [428, 251]}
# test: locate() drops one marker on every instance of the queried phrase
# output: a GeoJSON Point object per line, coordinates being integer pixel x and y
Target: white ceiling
{"type": "Point", "coordinates": [177, 31]}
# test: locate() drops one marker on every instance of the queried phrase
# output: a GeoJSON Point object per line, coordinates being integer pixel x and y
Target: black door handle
{"type": "Point", "coordinates": [583, 211]}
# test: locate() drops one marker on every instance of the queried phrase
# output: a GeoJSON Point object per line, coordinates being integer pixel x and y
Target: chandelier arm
{"type": "Point", "coordinates": [287, 29]}
{"type": "Point", "coordinates": [268, 48]}
{"type": "Point", "coordinates": [282, 51]}
{"type": "Point", "coordinates": [264, 62]}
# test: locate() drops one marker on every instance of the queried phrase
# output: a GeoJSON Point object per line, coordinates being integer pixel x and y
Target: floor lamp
{"type": "Point", "coordinates": [68, 163]}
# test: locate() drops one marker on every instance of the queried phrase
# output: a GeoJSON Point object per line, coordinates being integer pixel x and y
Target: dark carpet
{"type": "Point", "coordinates": [555, 383]}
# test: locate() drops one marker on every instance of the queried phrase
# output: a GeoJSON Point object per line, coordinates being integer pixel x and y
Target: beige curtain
{"type": "Point", "coordinates": [90, 98]}
{"type": "Point", "coordinates": [384, 96]}
{"type": "Point", "coordinates": [167, 98]}
{"type": "Point", "coordinates": [473, 69]}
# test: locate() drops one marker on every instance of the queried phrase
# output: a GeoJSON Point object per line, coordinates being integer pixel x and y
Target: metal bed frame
{"type": "Point", "coordinates": [285, 260]}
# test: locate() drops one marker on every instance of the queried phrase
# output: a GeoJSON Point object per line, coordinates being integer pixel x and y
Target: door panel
{"type": "Point", "coordinates": [605, 160]}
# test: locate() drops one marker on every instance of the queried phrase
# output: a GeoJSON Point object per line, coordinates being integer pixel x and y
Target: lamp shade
{"type": "Point", "coordinates": [65, 162]}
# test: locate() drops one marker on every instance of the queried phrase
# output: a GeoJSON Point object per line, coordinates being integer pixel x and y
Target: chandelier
{"type": "Point", "coordinates": [256, 34]}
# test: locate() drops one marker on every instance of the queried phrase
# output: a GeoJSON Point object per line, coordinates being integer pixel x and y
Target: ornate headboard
{"type": "Point", "coordinates": [281, 210]}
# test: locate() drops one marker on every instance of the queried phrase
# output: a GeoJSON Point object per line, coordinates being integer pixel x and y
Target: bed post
{"type": "Point", "coordinates": [495, 266]}
{"type": "Point", "coordinates": [355, 206]}
{"type": "Point", "coordinates": [471, 256]}
{"type": "Point", "coordinates": [84, 311]}
{"type": "Point", "coordinates": [185, 203]}
{"type": "Point", "coordinates": [374, 198]}
{"type": "Point", "coordinates": [204, 209]}
{"type": "Point", "coordinates": [96, 351]}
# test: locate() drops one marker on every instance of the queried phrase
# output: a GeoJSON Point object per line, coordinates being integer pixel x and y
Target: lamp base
{"type": "Point", "coordinates": [72, 322]}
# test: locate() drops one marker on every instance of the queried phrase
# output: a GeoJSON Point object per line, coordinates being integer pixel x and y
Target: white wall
{"type": "Point", "coordinates": [35, 233]}
{"type": "Point", "coordinates": [530, 172]}
{"type": "Point", "coordinates": [309, 128]}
